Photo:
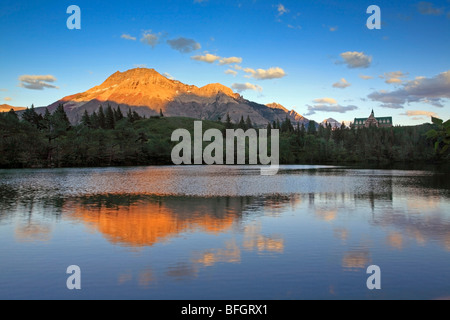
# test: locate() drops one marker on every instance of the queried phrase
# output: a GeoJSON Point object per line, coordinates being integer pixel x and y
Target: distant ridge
{"type": "Point", "coordinates": [7, 108]}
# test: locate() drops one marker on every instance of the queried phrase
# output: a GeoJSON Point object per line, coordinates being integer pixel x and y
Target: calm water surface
{"type": "Point", "coordinates": [309, 232]}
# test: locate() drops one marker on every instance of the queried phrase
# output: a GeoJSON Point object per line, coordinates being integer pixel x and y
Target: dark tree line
{"type": "Point", "coordinates": [108, 137]}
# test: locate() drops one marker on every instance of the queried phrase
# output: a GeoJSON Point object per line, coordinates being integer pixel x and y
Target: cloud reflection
{"type": "Point", "coordinates": [355, 260]}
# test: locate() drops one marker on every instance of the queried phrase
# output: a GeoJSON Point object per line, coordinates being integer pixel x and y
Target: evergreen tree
{"type": "Point", "coordinates": [248, 123]}
{"type": "Point", "coordinates": [118, 115]}
{"type": "Point", "coordinates": [312, 127]}
{"type": "Point", "coordinates": [130, 115]}
{"type": "Point", "coordinates": [101, 118]}
{"type": "Point", "coordinates": [228, 123]}
{"type": "Point", "coordinates": [47, 120]}
{"type": "Point", "coordinates": [31, 116]}
{"type": "Point", "coordinates": [302, 130]}
{"type": "Point", "coordinates": [47, 115]}
{"type": "Point", "coordinates": [94, 120]}
{"type": "Point", "coordinates": [86, 120]}
{"type": "Point", "coordinates": [321, 132]}
{"type": "Point", "coordinates": [109, 119]}
{"type": "Point", "coordinates": [136, 116]}
{"type": "Point", "coordinates": [286, 126]}
{"type": "Point", "coordinates": [241, 124]}
{"type": "Point", "coordinates": [60, 117]}
{"type": "Point", "coordinates": [13, 114]}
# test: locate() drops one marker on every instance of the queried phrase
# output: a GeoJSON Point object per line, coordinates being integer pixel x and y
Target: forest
{"type": "Point", "coordinates": [109, 137]}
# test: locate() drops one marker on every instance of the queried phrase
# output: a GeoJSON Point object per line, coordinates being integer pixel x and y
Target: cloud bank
{"type": "Point", "coordinates": [342, 84]}
{"type": "Point", "coordinates": [184, 45]}
{"type": "Point", "coordinates": [427, 90]}
{"type": "Point", "coordinates": [36, 82]}
{"type": "Point", "coordinates": [261, 74]}
{"type": "Point", "coordinates": [355, 60]}
{"type": "Point", "coordinates": [240, 87]}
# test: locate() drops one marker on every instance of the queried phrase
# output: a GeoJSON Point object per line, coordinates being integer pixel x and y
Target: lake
{"type": "Point", "coordinates": [221, 232]}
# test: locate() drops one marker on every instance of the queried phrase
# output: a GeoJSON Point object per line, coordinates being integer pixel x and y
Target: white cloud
{"type": "Point", "coordinates": [391, 106]}
{"type": "Point", "coordinates": [355, 60]}
{"type": "Point", "coordinates": [231, 60]}
{"type": "Point", "coordinates": [282, 10]}
{"type": "Point", "coordinates": [333, 29]}
{"type": "Point", "coordinates": [207, 57]}
{"type": "Point", "coordinates": [232, 72]}
{"type": "Point", "coordinates": [419, 113]}
{"type": "Point", "coordinates": [394, 81]}
{"type": "Point", "coordinates": [290, 26]}
{"type": "Point", "coordinates": [426, 90]}
{"type": "Point", "coordinates": [394, 77]}
{"type": "Point", "coordinates": [143, 65]}
{"type": "Point", "coordinates": [427, 8]}
{"type": "Point", "coordinates": [325, 101]}
{"type": "Point", "coordinates": [152, 39]}
{"type": "Point", "coordinates": [327, 108]}
{"type": "Point", "coordinates": [342, 84]}
{"type": "Point", "coordinates": [128, 37]}
{"type": "Point", "coordinates": [239, 87]}
{"type": "Point", "coordinates": [8, 99]}
{"type": "Point", "coordinates": [168, 76]}
{"type": "Point", "coordinates": [184, 45]}
{"type": "Point", "coordinates": [37, 82]}
{"type": "Point", "coordinates": [365, 77]}
{"type": "Point", "coordinates": [261, 74]}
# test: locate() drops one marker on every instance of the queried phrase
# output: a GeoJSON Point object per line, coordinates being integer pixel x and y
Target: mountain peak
{"type": "Point", "coordinates": [278, 106]}
{"type": "Point", "coordinates": [135, 74]}
{"type": "Point", "coordinates": [330, 121]}
{"type": "Point", "coordinates": [216, 88]}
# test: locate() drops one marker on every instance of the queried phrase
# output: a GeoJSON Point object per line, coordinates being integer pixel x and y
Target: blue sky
{"type": "Point", "coordinates": [316, 57]}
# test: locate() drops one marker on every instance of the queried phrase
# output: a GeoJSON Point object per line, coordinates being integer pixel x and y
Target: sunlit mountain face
{"type": "Point", "coordinates": [7, 108]}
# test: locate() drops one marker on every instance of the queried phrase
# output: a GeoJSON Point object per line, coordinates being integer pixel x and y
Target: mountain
{"type": "Point", "coordinates": [147, 92]}
{"type": "Point", "coordinates": [334, 123]}
{"type": "Point", "coordinates": [277, 106]}
{"type": "Point", "coordinates": [281, 112]}
{"type": "Point", "coordinates": [7, 108]}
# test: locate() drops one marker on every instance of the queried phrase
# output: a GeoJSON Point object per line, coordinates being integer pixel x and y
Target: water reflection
{"type": "Point", "coordinates": [317, 221]}
{"type": "Point", "coordinates": [33, 232]}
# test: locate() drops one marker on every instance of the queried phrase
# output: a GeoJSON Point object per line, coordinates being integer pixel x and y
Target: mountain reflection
{"type": "Point", "coordinates": [140, 221]}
